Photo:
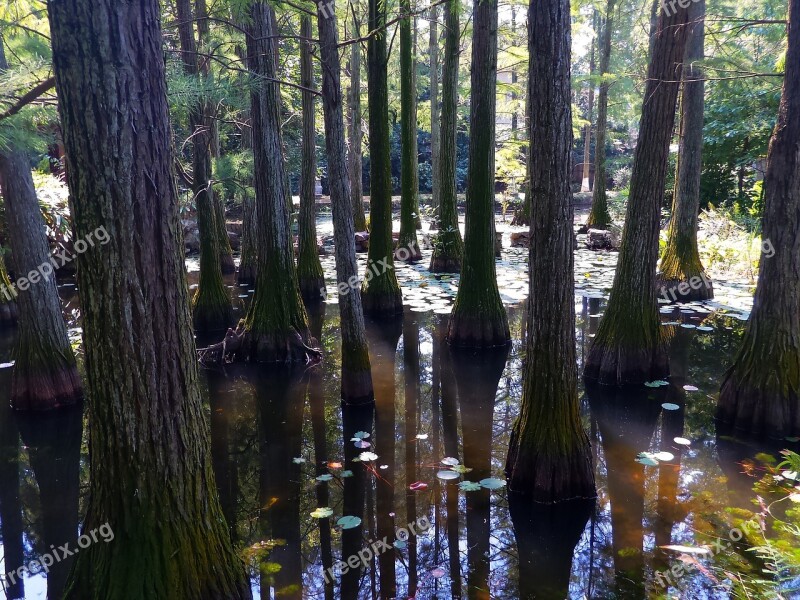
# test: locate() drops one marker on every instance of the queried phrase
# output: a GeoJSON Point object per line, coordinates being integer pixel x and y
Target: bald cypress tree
{"type": "Point", "coordinates": [479, 318]}
{"type": "Point", "coordinates": [628, 347]}
{"type": "Point", "coordinates": [760, 395]}
{"type": "Point", "coordinates": [356, 134]}
{"type": "Point", "coordinates": [549, 456]}
{"type": "Point", "coordinates": [151, 477]}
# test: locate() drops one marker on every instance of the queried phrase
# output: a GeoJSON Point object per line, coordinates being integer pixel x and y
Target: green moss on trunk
{"type": "Point", "coordinates": [226, 262]}
{"type": "Point", "coordinates": [248, 262]}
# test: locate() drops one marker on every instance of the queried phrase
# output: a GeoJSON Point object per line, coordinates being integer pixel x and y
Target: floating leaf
{"type": "Point", "coordinates": [682, 441]}
{"type": "Point", "coordinates": [688, 326]}
{"type": "Point", "coordinates": [670, 406]}
{"type": "Point", "coordinates": [648, 459]}
{"type": "Point", "coordinates": [656, 383]}
{"type": "Point", "coordinates": [492, 483]}
{"type": "Point", "coordinates": [367, 456]}
{"type": "Point", "coordinates": [422, 436]}
{"type": "Point", "coordinates": [334, 465]}
{"type": "Point", "coordinates": [324, 477]}
{"type": "Point", "coordinates": [664, 456]}
{"type": "Point", "coordinates": [349, 522]}
{"type": "Point", "coordinates": [469, 486]}
{"type": "Point", "coordinates": [460, 469]}
{"type": "Point", "coordinates": [400, 544]}
{"type": "Point", "coordinates": [450, 461]}
{"type": "Point", "coordinates": [448, 474]}
{"type": "Point", "coordinates": [704, 328]}
{"type": "Point", "coordinates": [418, 486]}
{"type": "Point", "coordinates": [361, 444]}
{"type": "Point", "coordinates": [298, 460]}
{"type": "Point", "coordinates": [347, 473]}
{"type": "Point", "coordinates": [359, 435]}
{"type": "Point", "coordinates": [384, 467]}
{"type": "Point", "coordinates": [687, 549]}
{"type": "Point", "coordinates": [7, 365]}
{"type": "Point", "coordinates": [322, 513]}
{"type": "Point", "coordinates": [690, 388]}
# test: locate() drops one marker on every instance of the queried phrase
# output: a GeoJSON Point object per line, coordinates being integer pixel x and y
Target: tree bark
{"type": "Point", "coordinates": [549, 458]}
{"type": "Point", "coordinates": [356, 133]}
{"type": "Point", "coordinates": [587, 129]}
{"type": "Point", "coordinates": [436, 136]}
{"type": "Point", "coordinates": [479, 318]}
{"type": "Point", "coordinates": [407, 245]}
{"type": "Point", "coordinates": [10, 502]}
{"type": "Point", "coordinates": [211, 303]}
{"type": "Point", "coordinates": [448, 248]}
{"type": "Point", "coordinates": [151, 478]}
{"type": "Point", "coordinates": [309, 270]}
{"type": "Point", "coordinates": [8, 305]}
{"type": "Point", "coordinates": [599, 217]}
{"type": "Point", "coordinates": [356, 373]}
{"type": "Point", "coordinates": [760, 395]}
{"type": "Point", "coordinates": [628, 346]}
{"type": "Point", "coordinates": [380, 291]}
{"type": "Point", "coordinates": [276, 326]}
{"type": "Point", "coordinates": [680, 263]}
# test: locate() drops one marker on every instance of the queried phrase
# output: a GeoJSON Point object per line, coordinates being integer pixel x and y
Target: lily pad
{"type": "Point", "coordinates": [298, 460]}
{"type": "Point", "coordinates": [664, 456]}
{"type": "Point", "coordinates": [349, 522]}
{"type": "Point", "coordinates": [492, 483]}
{"type": "Point", "coordinates": [400, 544]}
{"type": "Point", "coordinates": [367, 456]}
{"type": "Point", "coordinates": [670, 406]}
{"type": "Point", "coordinates": [447, 475]}
{"type": "Point", "coordinates": [469, 486]}
{"type": "Point", "coordinates": [361, 444]}
{"type": "Point", "coordinates": [324, 477]}
{"type": "Point", "coordinates": [347, 473]}
{"type": "Point", "coordinates": [656, 383]}
{"type": "Point", "coordinates": [647, 459]}
{"type": "Point", "coordinates": [460, 469]}
{"type": "Point", "coordinates": [682, 441]}
{"type": "Point", "coordinates": [691, 388]}
{"type": "Point", "coordinates": [7, 365]}
{"type": "Point", "coordinates": [422, 436]}
{"type": "Point", "coordinates": [418, 486]}
{"type": "Point", "coordinates": [450, 461]}
{"type": "Point", "coordinates": [360, 435]}
{"type": "Point", "coordinates": [322, 513]}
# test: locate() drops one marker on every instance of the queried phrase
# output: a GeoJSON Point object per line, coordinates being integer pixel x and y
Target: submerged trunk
{"type": "Point", "coordinates": [8, 305]}
{"type": "Point", "coordinates": [276, 327]}
{"type": "Point", "coordinates": [356, 374]}
{"type": "Point", "coordinates": [479, 317]}
{"type": "Point", "coordinates": [356, 133]}
{"type": "Point", "coordinates": [309, 270]}
{"type": "Point", "coordinates": [682, 275]}
{"type": "Point", "coordinates": [381, 292]}
{"type": "Point", "coordinates": [628, 346]}
{"type": "Point", "coordinates": [45, 373]}
{"type": "Point", "coordinates": [151, 478]}
{"type": "Point", "coordinates": [598, 215]}
{"type": "Point", "coordinates": [407, 245]}
{"type": "Point", "coordinates": [211, 304]}
{"type": "Point", "coordinates": [448, 248]}
{"type": "Point", "coordinates": [549, 457]}
{"type": "Point", "coordinates": [760, 395]}
{"type": "Point", "coordinates": [433, 52]}
{"type": "Point", "coordinates": [10, 503]}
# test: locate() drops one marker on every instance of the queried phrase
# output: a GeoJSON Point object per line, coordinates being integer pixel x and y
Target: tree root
{"type": "Point", "coordinates": [241, 345]}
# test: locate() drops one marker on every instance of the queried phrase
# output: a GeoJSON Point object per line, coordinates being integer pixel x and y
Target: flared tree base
{"type": "Point", "coordinates": [312, 289]}
{"type": "Point", "coordinates": [617, 365]}
{"type": "Point", "coordinates": [441, 263]}
{"type": "Point", "coordinates": [408, 252]}
{"type": "Point", "coordinates": [760, 409]}
{"type": "Point", "coordinates": [540, 475]}
{"type": "Point", "coordinates": [285, 348]}
{"type": "Point", "coordinates": [246, 275]}
{"type": "Point", "coordinates": [692, 289]}
{"type": "Point", "coordinates": [8, 314]}
{"type": "Point", "coordinates": [211, 313]}
{"type": "Point", "coordinates": [226, 263]}
{"type": "Point", "coordinates": [357, 387]}
{"type": "Point", "coordinates": [51, 387]}
{"type": "Point", "coordinates": [381, 304]}
{"type": "Point", "coordinates": [478, 331]}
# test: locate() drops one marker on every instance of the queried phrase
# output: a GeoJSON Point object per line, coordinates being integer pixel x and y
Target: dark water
{"type": "Point", "coordinates": [274, 432]}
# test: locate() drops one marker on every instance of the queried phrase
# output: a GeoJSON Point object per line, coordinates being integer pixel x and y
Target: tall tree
{"type": "Point", "coordinates": [309, 270]}
{"type": "Point", "coordinates": [381, 292]}
{"type": "Point", "coordinates": [587, 129]}
{"type": "Point", "coordinates": [436, 136]}
{"type": "Point", "coordinates": [211, 303]}
{"type": "Point", "coordinates": [549, 456]}
{"type": "Point", "coordinates": [276, 326]}
{"type": "Point", "coordinates": [628, 346]}
{"type": "Point", "coordinates": [151, 478]}
{"type": "Point", "coordinates": [680, 263]}
{"type": "Point", "coordinates": [356, 373]}
{"type": "Point", "coordinates": [761, 392]}
{"type": "Point", "coordinates": [598, 215]}
{"type": "Point", "coordinates": [356, 133]}
{"type": "Point", "coordinates": [479, 318]}
{"type": "Point", "coordinates": [448, 248]}
{"type": "Point", "coordinates": [407, 245]}
{"type": "Point", "coordinates": [45, 373]}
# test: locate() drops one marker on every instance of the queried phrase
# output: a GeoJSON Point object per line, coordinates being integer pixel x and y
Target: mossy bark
{"type": "Point", "coordinates": [448, 249]}
{"type": "Point", "coordinates": [226, 262]}
{"type": "Point", "coordinates": [760, 395]}
{"type": "Point", "coordinates": [356, 372]}
{"type": "Point", "coordinates": [151, 478]}
{"type": "Point", "coordinates": [45, 373]}
{"type": "Point", "coordinates": [8, 305]}
{"type": "Point", "coordinates": [310, 277]}
{"type": "Point", "coordinates": [680, 263]}
{"type": "Point", "coordinates": [549, 457]}
{"type": "Point", "coordinates": [628, 348]}
{"type": "Point", "coordinates": [276, 327]}
{"type": "Point", "coordinates": [479, 318]}
{"type": "Point", "coordinates": [407, 245]}
{"type": "Point", "coordinates": [599, 218]}
{"type": "Point", "coordinates": [248, 261]}
{"type": "Point", "coordinates": [356, 133]}
{"type": "Point", "coordinates": [380, 292]}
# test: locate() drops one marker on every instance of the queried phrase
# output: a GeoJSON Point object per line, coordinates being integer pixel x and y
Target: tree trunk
{"type": "Point", "coordinates": [151, 478]}
{"type": "Point", "coordinates": [381, 292]}
{"type": "Point", "coordinates": [10, 502]}
{"type": "Point", "coordinates": [587, 130]}
{"type": "Point", "coordinates": [628, 346]}
{"type": "Point", "coordinates": [479, 317]}
{"type": "Point", "coordinates": [598, 215]}
{"type": "Point", "coordinates": [448, 248]}
{"type": "Point", "coordinates": [549, 458]}
{"type": "Point", "coordinates": [211, 303]}
{"type": "Point", "coordinates": [356, 133]}
{"type": "Point", "coordinates": [760, 395]}
{"type": "Point", "coordinates": [522, 216]}
{"type": "Point", "coordinates": [680, 263]}
{"type": "Point", "coordinates": [356, 373]}
{"type": "Point", "coordinates": [248, 261]}
{"type": "Point", "coordinates": [407, 245]}
{"type": "Point", "coordinates": [436, 136]}
{"type": "Point", "coordinates": [276, 327]}
{"type": "Point", "coordinates": [309, 270]}
{"type": "Point", "coordinates": [8, 305]}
